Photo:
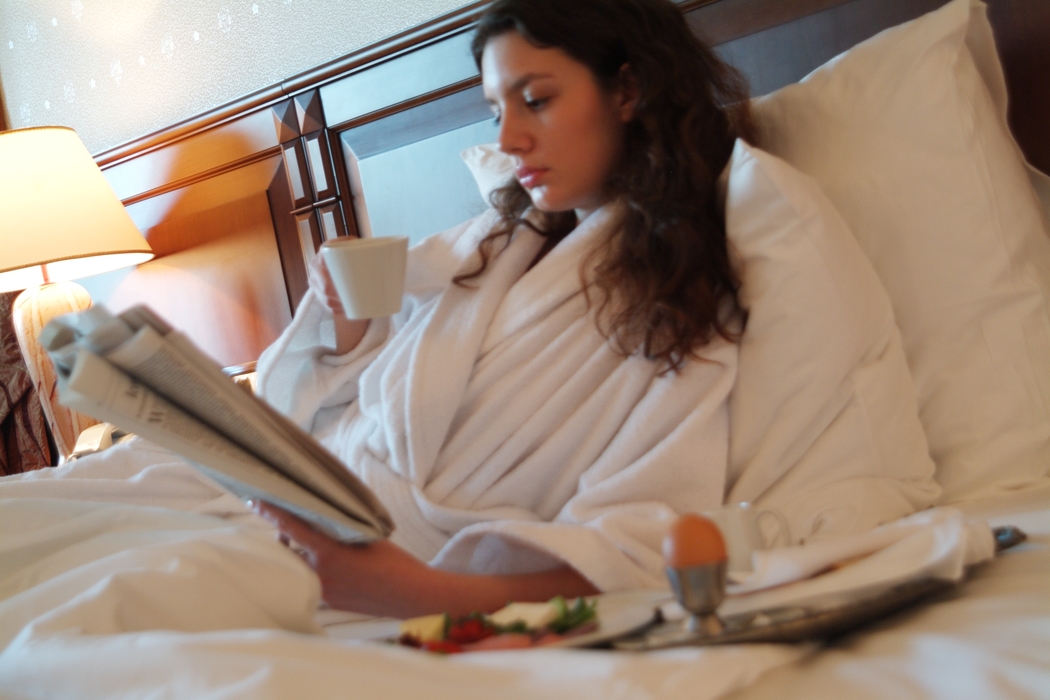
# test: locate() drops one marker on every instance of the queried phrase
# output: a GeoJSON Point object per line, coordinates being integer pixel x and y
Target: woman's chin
{"type": "Point", "coordinates": [549, 202]}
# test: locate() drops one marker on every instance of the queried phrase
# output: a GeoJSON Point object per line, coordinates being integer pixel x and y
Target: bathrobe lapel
{"type": "Point", "coordinates": [444, 356]}
{"type": "Point", "coordinates": [468, 322]}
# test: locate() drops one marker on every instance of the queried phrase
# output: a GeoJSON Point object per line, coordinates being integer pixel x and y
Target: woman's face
{"type": "Point", "coordinates": [563, 130]}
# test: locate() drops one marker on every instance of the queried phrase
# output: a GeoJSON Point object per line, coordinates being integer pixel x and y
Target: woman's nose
{"type": "Point", "coordinates": [513, 136]}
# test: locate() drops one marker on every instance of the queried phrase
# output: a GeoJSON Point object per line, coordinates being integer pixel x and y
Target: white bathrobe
{"type": "Point", "coordinates": [499, 426]}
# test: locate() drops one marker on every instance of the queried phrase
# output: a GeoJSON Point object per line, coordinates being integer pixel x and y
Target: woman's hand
{"type": "Point", "coordinates": [348, 334]}
{"type": "Point", "coordinates": [380, 578]}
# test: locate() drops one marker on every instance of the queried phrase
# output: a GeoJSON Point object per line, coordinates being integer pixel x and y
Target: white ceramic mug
{"type": "Point", "coordinates": [368, 274]}
{"type": "Point", "coordinates": [741, 526]}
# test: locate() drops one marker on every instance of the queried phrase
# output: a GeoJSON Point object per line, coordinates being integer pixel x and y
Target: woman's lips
{"type": "Point", "coordinates": [529, 177]}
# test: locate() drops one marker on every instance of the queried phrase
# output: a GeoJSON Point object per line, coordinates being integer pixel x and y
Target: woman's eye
{"type": "Point", "coordinates": [537, 103]}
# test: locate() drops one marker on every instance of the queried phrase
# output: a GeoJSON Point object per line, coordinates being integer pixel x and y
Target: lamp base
{"type": "Point", "coordinates": [31, 311]}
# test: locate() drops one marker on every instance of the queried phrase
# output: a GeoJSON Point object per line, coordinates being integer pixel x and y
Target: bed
{"type": "Point", "coordinates": [128, 575]}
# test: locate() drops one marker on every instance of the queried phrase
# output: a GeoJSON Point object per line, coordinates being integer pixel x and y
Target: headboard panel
{"type": "Point", "coordinates": [370, 143]}
{"type": "Point", "coordinates": [777, 42]}
{"type": "Point", "coordinates": [773, 54]}
{"type": "Point", "coordinates": [1022, 35]}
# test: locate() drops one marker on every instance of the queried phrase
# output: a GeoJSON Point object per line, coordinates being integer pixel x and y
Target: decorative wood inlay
{"type": "Point", "coordinates": [298, 181]}
{"type": "Point", "coordinates": [315, 205]}
{"type": "Point", "coordinates": [331, 217]}
{"type": "Point", "coordinates": [286, 231]}
{"type": "Point", "coordinates": [342, 179]}
{"type": "Point", "coordinates": [320, 159]}
{"type": "Point", "coordinates": [285, 121]}
{"type": "Point", "coordinates": [308, 111]}
{"type": "Point", "coordinates": [309, 235]}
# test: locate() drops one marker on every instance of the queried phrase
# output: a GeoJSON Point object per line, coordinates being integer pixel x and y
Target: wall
{"type": "Point", "coordinates": [115, 70]}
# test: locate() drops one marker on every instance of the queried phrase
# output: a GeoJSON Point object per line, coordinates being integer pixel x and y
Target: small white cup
{"type": "Point", "coordinates": [743, 533]}
{"type": "Point", "coordinates": [368, 274]}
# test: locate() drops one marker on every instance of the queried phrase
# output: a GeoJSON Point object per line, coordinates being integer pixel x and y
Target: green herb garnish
{"type": "Point", "coordinates": [572, 616]}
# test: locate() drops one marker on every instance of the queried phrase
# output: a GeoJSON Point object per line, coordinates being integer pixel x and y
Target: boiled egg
{"type": "Point", "coordinates": [693, 540]}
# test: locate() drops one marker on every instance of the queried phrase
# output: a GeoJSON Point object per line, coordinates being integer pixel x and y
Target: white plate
{"type": "Point", "coordinates": [618, 614]}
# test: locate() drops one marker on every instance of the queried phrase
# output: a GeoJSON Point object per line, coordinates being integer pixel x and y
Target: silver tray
{"type": "Point", "coordinates": [787, 624]}
{"type": "Point", "coordinates": [801, 623]}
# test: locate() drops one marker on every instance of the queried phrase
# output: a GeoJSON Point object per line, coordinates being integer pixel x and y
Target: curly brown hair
{"type": "Point", "coordinates": [663, 282]}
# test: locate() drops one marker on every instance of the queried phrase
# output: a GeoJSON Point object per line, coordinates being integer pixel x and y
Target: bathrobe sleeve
{"type": "Point", "coordinates": [300, 375]}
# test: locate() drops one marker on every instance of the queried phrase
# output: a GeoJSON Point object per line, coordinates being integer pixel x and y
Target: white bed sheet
{"type": "Point", "coordinates": [989, 639]}
{"type": "Point", "coordinates": [209, 606]}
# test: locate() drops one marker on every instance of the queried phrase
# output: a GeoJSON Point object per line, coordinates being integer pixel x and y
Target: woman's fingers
{"type": "Point", "coordinates": [371, 579]}
{"type": "Point", "coordinates": [348, 333]}
{"type": "Point", "coordinates": [300, 537]}
{"type": "Point", "coordinates": [321, 282]}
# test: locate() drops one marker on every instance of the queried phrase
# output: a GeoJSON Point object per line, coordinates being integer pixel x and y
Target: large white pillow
{"type": "Point", "coordinates": [907, 135]}
{"type": "Point", "coordinates": [823, 420]}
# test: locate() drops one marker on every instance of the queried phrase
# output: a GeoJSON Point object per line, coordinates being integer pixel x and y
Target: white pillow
{"type": "Point", "coordinates": [490, 167]}
{"type": "Point", "coordinates": [907, 135]}
{"type": "Point", "coordinates": [823, 420]}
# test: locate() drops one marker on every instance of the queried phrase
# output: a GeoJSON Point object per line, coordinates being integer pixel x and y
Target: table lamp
{"type": "Point", "coordinates": [59, 220]}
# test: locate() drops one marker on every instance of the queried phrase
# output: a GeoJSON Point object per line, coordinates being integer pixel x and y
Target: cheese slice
{"type": "Point", "coordinates": [428, 628]}
{"type": "Point", "coordinates": [534, 615]}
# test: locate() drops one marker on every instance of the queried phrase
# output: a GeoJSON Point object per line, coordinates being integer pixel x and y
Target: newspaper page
{"type": "Point", "coordinates": [182, 400]}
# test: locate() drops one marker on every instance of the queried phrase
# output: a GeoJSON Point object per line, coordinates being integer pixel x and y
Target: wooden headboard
{"type": "Point", "coordinates": [236, 200]}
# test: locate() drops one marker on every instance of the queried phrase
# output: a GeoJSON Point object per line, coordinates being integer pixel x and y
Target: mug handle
{"type": "Point", "coordinates": [782, 527]}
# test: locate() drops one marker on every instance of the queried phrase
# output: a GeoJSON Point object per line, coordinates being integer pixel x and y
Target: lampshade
{"type": "Point", "coordinates": [59, 220]}
{"type": "Point", "coordinates": [58, 210]}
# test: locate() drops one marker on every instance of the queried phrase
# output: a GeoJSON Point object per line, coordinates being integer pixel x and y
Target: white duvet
{"type": "Point", "coordinates": [120, 583]}
{"type": "Point", "coordinates": [128, 575]}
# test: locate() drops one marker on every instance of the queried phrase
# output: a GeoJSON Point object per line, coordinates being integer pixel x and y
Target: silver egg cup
{"type": "Point", "coordinates": [700, 590]}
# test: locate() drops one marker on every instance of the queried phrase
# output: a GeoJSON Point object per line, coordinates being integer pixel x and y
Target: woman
{"type": "Point", "coordinates": [553, 392]}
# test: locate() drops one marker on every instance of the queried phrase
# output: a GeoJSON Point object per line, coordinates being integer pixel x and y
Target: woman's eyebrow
{"type": "Point", "coordinates": [524, 80]}
{"type": "Point", "coordinates": [521, 83]}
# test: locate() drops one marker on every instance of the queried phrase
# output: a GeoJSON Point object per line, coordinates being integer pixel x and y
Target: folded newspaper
{"type": "Point", "coordinates": [136, 372]}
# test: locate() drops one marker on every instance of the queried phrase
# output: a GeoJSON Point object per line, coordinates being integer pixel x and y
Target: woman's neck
{"type": "Point", "coordinates": [548, 245]}
{"type": "Point", "coordinates": [553, 240]}
{"type": "Point", "coordinates": [582, 214]}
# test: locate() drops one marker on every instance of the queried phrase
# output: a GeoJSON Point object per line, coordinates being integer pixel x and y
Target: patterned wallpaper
{"type": "Point", "coordinates": [118, 69]}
